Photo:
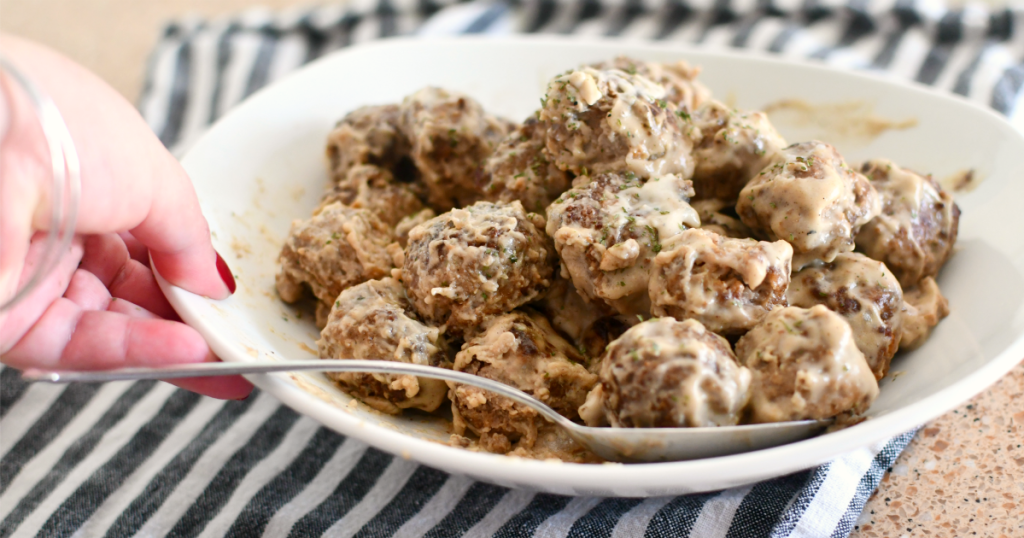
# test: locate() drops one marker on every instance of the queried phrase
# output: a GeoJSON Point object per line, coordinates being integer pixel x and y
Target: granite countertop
{"type": "Point", "coordinates": [962, 475]}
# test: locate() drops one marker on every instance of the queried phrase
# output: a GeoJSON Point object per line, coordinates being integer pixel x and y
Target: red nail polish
{"type": "Point", "coordinates": [225, 273]}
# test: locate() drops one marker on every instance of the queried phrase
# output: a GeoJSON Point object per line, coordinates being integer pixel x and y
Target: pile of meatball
{"type": "Point", "coordinates": [635, 254]}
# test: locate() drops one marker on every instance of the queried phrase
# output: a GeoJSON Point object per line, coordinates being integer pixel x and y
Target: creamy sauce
{"type": "Point", "coordinates": [925, 308]}
{"type": "Point", "coordinates": [520, 349]}
{"type": "Point", "coordinates": [337, 248]}
{"type": "Point", "coordinates": [918, 223]}
{"type": "Point", "coordinates": [961, 181]}
{"type": "Point", "coordinates": [865, 293]}
{"type": "Point", "coordinates": [667, 373]}
{"type": "Point", "coordinates": [810, 198]}
{"type": "Point", "coordinates": [634, 124]}
{"type": "Point", "coordinates": [694, 279]}
{"type": "Point", "coordinates": [805, 365]}
{"type": "Point", "coordinates": [373, 321]}
{"type": "Point", "coordinates": [852, 121]}
{"type": "Point", "coordinates": [734, 147]}
{"type": "Point", "coordinates": [607, 253]}
{"type": "Point", "coordinates": [471, 263]}
{"type": "Point", "coordinates": [713, 219]}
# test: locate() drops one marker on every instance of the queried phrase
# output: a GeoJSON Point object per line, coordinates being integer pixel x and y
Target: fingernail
{"type": "Point", "coordinates": [225, 273]}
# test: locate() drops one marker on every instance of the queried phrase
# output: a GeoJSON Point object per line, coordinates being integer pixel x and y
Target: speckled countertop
{"type": "Point", "coordinates": [963, 475]}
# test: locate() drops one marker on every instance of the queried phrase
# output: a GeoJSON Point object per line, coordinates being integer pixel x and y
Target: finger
{"type": "Point", "coordinates": [106, 256]}
{"type": "Point", "coordinates": [129, 180]}
{"type": "Point", "coordinates": [130, 309]}
{"type": "Point", "coordinates": [16, 322]}
{"type": "Point", "coordinates": [136, 249]}
{"type": "Point", "coordinates": [69, 338]}
{"type": "Point", "coordinates": [86, 291]}
{"type": "Point", "coordinates": [89, 293]}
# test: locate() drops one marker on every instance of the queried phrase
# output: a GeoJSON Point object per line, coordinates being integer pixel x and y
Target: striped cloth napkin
{"type": "Point", "coordinates": [147, 459]}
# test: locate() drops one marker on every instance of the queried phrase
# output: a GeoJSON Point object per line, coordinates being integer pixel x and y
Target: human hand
{"type": "Point", "coordinates": [100, 308]}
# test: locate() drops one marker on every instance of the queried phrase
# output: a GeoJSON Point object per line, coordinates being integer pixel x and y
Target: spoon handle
{"type": "Point", "coordinates": [209, 369]}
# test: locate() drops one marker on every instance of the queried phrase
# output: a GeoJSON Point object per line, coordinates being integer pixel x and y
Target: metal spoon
{"type": "Point", "coordinates": [612, 444]}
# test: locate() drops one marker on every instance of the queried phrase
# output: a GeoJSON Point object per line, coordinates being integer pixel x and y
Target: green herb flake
{"type": "Point", "coordinates": [655, 242]}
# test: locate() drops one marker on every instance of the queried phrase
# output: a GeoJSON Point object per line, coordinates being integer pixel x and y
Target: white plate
{"type": "Point", "coordinates": [263, 165]}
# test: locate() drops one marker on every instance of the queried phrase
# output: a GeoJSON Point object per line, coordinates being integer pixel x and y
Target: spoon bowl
{"type": "Point", "coordinates": [612, 444]}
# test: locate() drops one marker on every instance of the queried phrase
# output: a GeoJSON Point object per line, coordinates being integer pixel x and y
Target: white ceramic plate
{"type": "Point", "coordinates": [263, 165]}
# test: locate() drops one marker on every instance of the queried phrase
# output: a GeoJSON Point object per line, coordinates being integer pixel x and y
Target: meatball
{"type": "Point", "coordinates": [679, 79]}
{"type": "Point", "coordinates": [519, 169]}
{"type": "Point", "coordinates": [522, 350]}
{"type": "Point", "coordinates": [727, 284]}
{"type": "Point", "coordinates": [608, 120]}
{"type": "Point", "coordinates": [375, 320]}
{"type": "Point", "coordinates": [409, 222]}
{"type": "Point", "coordinates": [915, 233]}
{"type": "Point", "coordinates": [608, 227]}
{"type": "Point", "coordinates": [664, 373]}
{"type": "Point", "coordinates": [810, 198]}
{"type": "Point", "coordinates": [451, 135]}
{"type": "Point", "coordinates": [336, 248]}
{"type": "Point", "coordinates": [865, 293]}
{"type": "Point", "coordinates": [375, 189]}
{"type": "Point", "coordinates": [368, 135]}
{"type": "Point", "coordinates": [591, 326]}
{"type": "Point", "coordinates": [733, 148]}
{"type": "Point", "coordinates": [568, 311]}
{"type": "Point", "coordinates": [805, 366]}
{"type": "Point", "coordinates": [925, 307]}
{"type": "Point", "coordinates": [483, 260]}
{"type": "Point", "coordinates": [718, 216]}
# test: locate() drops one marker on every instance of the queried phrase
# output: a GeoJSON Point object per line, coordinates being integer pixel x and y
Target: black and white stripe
{"type": "Point", "coordinates": [145, 459]}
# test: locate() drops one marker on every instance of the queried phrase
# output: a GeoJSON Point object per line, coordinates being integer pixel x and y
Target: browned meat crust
{"type": "Point", "coordinates": [375, 320]}
{"type": "Point", "coordinates": [609, 227]}
{"type": "Point", "coordinates": [520, 349]}
{"type": "Point", "coordinates": [367, 135]}
{"type": "Point", "coordinates": [805, 365]}
{"type": "Point", "coordinates": [519, 169]}
{"type": "Point", "coordinates": [727, 284]}
{"type": "Point", "coordinates": [810, 198]}
{"type": "Point", "coordinates": [865, 293]}
{"type": "Point", "coordinates": [734, 146]}
{"type": "Point", "coordinates": [451, 135]}
{"type": "Point", "coordinates": [469, 264]}
{"type": "Point", "coordinates": [374, 189]}
{"type": "Point", "coordinates": [665, 373]}
{"type": "Point", "coordinates": [915, 233]}
{"type": "Point", "coordinates": [610, 121]}
{"type": "Point", "coordinates": [337, 248]}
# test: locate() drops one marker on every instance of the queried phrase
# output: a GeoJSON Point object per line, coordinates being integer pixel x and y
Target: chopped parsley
{"type": "Point", "coordinates": [655, 243]}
